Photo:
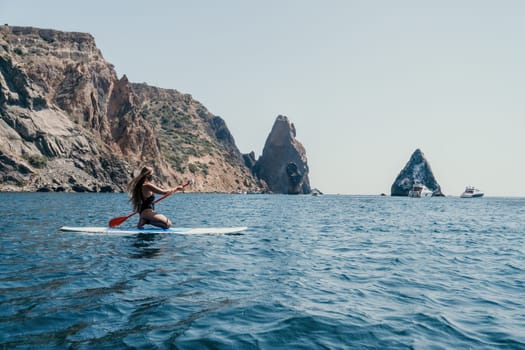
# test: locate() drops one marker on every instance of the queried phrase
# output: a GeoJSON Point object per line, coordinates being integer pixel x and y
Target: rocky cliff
{"type": "Point", "coordinates": [282, 167]}
{"type": "Point", "coordinates": [416, 171]}
{"type": "Point", "coordinates": [194, 142]}
{"type": "Point", "coordinates": [67, 123]}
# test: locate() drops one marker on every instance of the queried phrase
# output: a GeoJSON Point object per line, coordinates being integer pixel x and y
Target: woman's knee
{"type": "Point", "coordinates": [156, 219]}
{"type": "Point", "coordinates": [161, 221]}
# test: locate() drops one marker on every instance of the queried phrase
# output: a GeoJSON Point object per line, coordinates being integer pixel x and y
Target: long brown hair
{"type": "Point", "coordinates": [135, 187]}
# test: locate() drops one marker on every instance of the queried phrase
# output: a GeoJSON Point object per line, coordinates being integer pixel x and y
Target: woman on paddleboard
{"type": "Point", "coordinates": [142, 191]}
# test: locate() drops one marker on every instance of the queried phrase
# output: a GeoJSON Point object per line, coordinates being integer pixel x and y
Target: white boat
{"type": "Point", "coordinates": [471, 192]}
{"type": "Point", "coordinates": [419, 190]}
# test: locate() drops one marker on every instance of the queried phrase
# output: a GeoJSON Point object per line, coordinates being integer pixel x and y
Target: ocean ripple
{"type": "Point", "coordinates": [328, 272]}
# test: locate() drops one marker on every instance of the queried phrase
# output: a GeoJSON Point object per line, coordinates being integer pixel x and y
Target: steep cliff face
{"type": "Point", "coordinates": [283, 165]}
{"type": "Point", "coordinates": [68, 123]}
{"type": "Point", "coordinates": [416, 171]}
{"type": "Point", "coordinates": [49, 115]}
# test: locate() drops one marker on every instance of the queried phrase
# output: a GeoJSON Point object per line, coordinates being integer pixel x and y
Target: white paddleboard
{"type": "Point", "coordinates": [176, 230]}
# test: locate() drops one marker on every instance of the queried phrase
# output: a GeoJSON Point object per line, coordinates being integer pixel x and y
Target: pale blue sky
{"type": "Point", "coordinates": [364, 82]}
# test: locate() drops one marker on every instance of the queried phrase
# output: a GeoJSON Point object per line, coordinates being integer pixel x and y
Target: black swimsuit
{"type": "Point", "coordinates": [148, 203]}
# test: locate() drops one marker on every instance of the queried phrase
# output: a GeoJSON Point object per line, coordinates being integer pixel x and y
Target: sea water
{"type": "Point", "coordinates": [311, 272]}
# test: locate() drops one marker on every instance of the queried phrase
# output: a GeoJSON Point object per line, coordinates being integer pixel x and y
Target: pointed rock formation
{"type": "Point", "coordinates": [283, 164]}
{"type": "Point", "coordinates": [416, 171]}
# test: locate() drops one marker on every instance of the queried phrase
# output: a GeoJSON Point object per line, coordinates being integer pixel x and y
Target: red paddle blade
{"type": "Point", "coordinates": [117, 221]}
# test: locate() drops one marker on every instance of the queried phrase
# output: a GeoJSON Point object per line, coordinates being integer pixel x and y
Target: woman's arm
{"type": "Point", "coordinates": [155, 189]}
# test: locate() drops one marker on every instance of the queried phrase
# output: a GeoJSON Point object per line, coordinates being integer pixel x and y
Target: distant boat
{"type": "Point", "coordinates": [471, 192]}
{"type": "Point", "coordinates": [419, 190]}
{"type": "Point", "coordinates": [316, 192]}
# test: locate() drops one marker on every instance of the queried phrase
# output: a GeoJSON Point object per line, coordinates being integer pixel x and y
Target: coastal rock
{"type": "Point", "coordinates": [416, 171]}
{"type": "Point", "coordinates": [283, 164]}
{"type": "Point", "coordinates": [249, 160]}
{"type": "Point", "coordinates": [67, 123]}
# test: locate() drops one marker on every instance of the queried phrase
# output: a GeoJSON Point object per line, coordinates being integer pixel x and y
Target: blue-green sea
{"type": "Point", "coordinates": [311, 272]}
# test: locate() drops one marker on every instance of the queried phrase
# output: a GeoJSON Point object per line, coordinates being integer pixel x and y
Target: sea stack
{"type": "Point", "coordinates": [283, 164]}
{"type": "Point", "coordinates": [416, 171]}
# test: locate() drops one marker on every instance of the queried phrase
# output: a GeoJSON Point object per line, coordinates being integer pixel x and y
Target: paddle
{"type": "Point", "coordinates": [119, 220]}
